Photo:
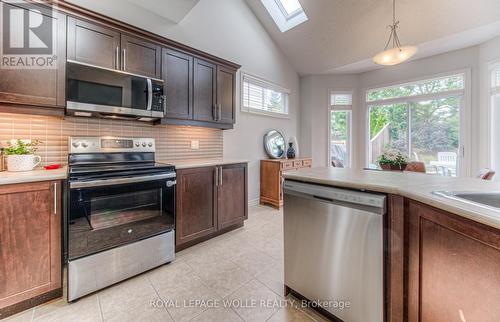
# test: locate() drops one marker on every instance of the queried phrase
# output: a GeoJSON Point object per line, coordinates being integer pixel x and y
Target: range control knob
{"type": "Point", "coordinates": [85, 145]}
{"type": "Point", "coordinates": [137, 144]}
{"type": "Point", "coordinates": [150, 144]}
{"type": "Point", "coordinates": [75, 144]}
{"type": "Point", "coordinates": [144, 144]}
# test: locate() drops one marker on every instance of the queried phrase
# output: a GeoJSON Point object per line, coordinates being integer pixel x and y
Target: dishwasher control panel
{"type": "Point", "coordinates": [336, 194]}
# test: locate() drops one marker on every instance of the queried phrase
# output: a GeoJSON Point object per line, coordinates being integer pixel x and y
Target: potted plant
{"type": "Point", "coordinates": [384, 162]}
{"type": "Point", "coordinates": [392, 160]}
{"type": "Point", "coordinates": [20, 155]}
{"type": "Point", "coordinates": [400, 162]}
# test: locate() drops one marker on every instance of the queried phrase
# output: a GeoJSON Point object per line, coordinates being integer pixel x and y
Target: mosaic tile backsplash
{"type": "Point", "coordinates": [172, 142]}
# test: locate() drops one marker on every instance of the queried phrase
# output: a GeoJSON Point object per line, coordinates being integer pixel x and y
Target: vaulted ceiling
{"type": "Point", "coordinates": [174, 10]}
{"type": "Point", "coordinates": [341, 36]}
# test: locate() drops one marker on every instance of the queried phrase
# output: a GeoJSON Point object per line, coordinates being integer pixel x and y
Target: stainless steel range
{"type": "Point", "coordinates": [121, 211]}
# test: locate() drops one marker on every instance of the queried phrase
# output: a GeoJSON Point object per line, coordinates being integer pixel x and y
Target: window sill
{"type": "Point", "coordinates": [268, 114]}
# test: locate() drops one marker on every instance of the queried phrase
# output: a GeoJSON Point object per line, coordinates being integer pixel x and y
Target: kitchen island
{"type": "Point", "coordinates": [441, 255]}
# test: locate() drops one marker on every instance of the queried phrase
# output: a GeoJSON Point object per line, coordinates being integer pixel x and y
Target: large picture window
{"type": "Point", "coordinates": [421, 120]}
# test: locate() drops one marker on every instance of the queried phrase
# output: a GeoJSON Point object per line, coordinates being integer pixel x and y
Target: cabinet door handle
{"type": "Point", "coordinates": [220, 112]}
{"type": "Point", "coordinates": [117, 57]}
{"type": "Point", "coordinates": [216, 176]}
{"type": "Point", "coordinates": [220, 176]}
{"type": "Point", "coordinates": [124, 62]}
{"type": "Point", "coordinates": [214, 112]}
{"type": "Point", "coordinates": [55, 198]}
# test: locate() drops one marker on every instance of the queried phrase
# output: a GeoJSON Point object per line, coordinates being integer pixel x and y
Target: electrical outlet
{"type": "Point", "coordinates": [195, 145]}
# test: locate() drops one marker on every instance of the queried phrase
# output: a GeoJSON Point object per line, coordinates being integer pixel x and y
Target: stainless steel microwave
{"type": "Point", "coordinates": [108, 93]}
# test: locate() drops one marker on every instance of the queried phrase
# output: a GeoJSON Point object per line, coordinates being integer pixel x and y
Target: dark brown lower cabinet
{"type": "Point", "coordinates": [196, 215]}
{"type": "Point", "coordinates": [30, 245]}
{"type": "Point", "coordinates": [210, 201]}
{"type": "Point", "coordinates": [453, 267]}
{"type": "Point", "coordinates": [232, 195]}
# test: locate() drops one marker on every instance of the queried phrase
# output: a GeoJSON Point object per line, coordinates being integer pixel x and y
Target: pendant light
{"type": "Point", "coordinates": [397, 53]}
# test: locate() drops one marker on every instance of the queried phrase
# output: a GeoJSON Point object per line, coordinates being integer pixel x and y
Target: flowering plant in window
{"type": "Point", "coordinates": [393, 160]}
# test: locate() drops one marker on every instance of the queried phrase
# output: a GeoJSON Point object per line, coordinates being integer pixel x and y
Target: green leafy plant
{"type": "Point", "coordinates": [393, 158]}
{"type": "Point", "coordinates": [400, 159]}
{"type": "Point", "coordinates": [21, 147]}
{"type": "Point", "coordinates": [383, 159]}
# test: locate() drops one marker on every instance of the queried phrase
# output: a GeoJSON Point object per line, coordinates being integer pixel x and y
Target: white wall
{"type": "Point", "coordinates": [314, 91]}
{"type": "Point", "coordinates": [228, 29]}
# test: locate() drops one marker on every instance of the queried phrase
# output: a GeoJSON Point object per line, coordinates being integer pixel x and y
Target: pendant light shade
{"type": "Point", "coordinates": [397, 54]}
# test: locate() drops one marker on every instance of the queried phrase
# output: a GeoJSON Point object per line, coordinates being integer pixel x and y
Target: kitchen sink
{"type": "Point", "coordinates": [485, 199]}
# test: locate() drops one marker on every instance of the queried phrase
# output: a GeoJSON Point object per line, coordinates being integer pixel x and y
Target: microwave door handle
{"type": "Point", "coordinates": [150, 94]}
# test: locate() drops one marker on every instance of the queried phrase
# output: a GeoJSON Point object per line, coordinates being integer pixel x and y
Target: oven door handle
{"type": "Point", "coordinates": [116, 181]}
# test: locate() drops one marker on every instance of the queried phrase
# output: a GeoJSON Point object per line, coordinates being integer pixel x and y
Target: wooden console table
{"type": "Point", "coordinates": [271, 178]}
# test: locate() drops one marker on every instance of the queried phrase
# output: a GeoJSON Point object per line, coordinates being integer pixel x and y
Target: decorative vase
{"type": "Point", "coordinates": [290, 153]}
{"type": "Point", "coordinates": [23, 162]}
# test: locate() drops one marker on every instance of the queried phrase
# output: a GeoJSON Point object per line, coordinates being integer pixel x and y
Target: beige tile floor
{"type": "Point", "coordinates": [235, 277]}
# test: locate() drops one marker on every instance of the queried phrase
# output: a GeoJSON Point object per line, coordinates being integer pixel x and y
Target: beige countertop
{"type": "Point", "coordinates": [196, 163]}
{"type": "Point", "coordinates": [7, 177]}
{"type": "Point", "coordinates": [416, 186]}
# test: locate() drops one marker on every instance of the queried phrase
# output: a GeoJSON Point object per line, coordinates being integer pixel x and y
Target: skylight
{"type": "Point", "coordinates": [285, 13]}
{"type": "Point", "coordinates": [289, 7]}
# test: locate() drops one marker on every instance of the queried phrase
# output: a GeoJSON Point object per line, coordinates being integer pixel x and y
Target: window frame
{"type": "Point", "coordinates": [269, 85]}
{"type": "Point", "coordinates": [287, 15]}
{"type": "Point", "coordinates": [493, 67]}
{"type": "Point", "coordinates": [464, 155]}
{"type": "Point", "coordinates": [340, 108]}
{"type": "Point", "coordinates": [492, 91]}
{"type": "Point", "coordinates": [281, 18]}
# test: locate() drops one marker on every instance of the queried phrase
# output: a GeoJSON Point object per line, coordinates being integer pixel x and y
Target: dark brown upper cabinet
{"type": "Point", "coordinates": [40, 87]}
{"type": "Point", "coordinates": [93, 44]}
{"type": "Point", "coordinates": [226, 95]}
{"type": "Point", "coordinates": [105, 47]}
{"type": "Point", "coordinates": [199, 92]}
{"type": "Point", "coordinates": [205, 91]}
{"type": "Point", "coordinates": [177, 71]}
{"type": "Point", "coordinates": [140, 57]}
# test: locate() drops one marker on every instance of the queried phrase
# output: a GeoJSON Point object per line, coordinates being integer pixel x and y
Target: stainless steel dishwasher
{"type": "Point", "coordinates": [334, 249]}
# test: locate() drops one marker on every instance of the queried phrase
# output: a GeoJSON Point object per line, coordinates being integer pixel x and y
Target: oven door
{"type": "Point", "coordinates": [107, 213]}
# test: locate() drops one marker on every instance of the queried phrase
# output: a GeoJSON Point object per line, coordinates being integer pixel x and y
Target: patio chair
{"type": "Point", "coordinates": [448, 158]}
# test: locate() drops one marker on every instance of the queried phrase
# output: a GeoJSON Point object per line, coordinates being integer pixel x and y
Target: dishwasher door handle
{"type": "Point", "coordinates": [324, 199]}
{"type": "Point", "coordinates": [371, 202]}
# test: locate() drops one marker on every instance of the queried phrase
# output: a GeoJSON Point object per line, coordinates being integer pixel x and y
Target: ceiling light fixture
{"type": "Point", "coordinates": [397, 54]}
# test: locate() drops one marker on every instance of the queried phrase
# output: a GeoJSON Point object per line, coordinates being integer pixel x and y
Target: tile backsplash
{"type": "Point", "coordinates": [172, 141]}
